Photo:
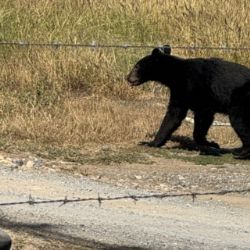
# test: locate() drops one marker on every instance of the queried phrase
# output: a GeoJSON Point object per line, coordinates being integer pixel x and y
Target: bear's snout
{"type": "Point", "coordinates": [133, 78]}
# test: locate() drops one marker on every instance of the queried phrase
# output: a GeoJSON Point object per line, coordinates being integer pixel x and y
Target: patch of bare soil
{"type": "Point", "coordinates": [166, 175]}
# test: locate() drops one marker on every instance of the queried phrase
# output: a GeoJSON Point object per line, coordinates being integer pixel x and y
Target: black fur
{"type": "Point", "coordinates": [205, 86]}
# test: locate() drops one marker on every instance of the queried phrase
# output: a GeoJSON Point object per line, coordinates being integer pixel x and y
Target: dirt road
{"type": "Point", "coordinates": [177, 223]}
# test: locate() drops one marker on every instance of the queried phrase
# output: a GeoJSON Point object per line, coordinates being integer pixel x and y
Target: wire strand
{"type": "Point", "coordinates": [99, 199]}
{"type": "Point", "coordinates": [93, 45]}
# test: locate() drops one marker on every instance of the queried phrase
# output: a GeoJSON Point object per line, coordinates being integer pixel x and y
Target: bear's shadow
{"type": "Point", "coordinates": [189, 144]}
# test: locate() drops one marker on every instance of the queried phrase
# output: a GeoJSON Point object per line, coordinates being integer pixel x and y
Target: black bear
{"type": "Point", "coordinates": [205, 86]}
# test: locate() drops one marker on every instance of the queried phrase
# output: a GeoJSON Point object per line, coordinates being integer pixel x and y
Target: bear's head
{"type": "Point", "coordinates": [150, 67]}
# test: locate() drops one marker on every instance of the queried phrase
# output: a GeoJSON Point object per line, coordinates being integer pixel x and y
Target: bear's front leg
{"type": "Point", "coordinates": [170, 123]}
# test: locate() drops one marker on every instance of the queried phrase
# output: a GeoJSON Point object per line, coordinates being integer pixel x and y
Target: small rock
{"type": "Point", "coordinates": [30, 164]}
{"type": "Point", "coordinates": [18, 162]}
{"type": "Point", "coordinates": [163, 185]}
{"type": "Point", "coordinates": [181, 177]}
{"type": "Point", "coordinates": [138, 177]}
{"type": "Point", "coordinates": [213, 169]}
{"type": "Point", "coordinates": [98, 177]}
{"type": "Point", "coordinates": [38, 163]}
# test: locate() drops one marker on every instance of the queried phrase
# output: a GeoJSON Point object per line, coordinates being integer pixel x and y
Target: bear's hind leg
{"type": "Point", "coordinates": [202, 122]}
{"type": "Point", "coordinates": [240, 121]}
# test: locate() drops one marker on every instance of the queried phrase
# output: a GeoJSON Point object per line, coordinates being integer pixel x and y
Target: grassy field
{"type": "Point", "coordinates": [72, 97]}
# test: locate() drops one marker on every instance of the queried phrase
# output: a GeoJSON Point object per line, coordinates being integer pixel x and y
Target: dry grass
{"type": "Point", "coordinates": [71, 96]}
{"type": "Point", "coordinates": [96, 120]}
{"type": "Point", "coordinates": [81, 120]}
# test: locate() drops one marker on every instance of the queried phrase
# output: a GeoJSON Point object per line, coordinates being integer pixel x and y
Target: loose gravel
{"type": "Point", "coordinates": [214, 222]}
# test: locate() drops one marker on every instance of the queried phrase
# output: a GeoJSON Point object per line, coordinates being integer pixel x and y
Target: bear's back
{"type": "Point", "coordinates": [214, 80]}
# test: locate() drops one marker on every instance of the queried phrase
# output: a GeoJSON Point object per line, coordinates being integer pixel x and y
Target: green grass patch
{"type": "Point", "coordinates": [113, 154]}
{"type": "Point", "coordinates": [189, 156]}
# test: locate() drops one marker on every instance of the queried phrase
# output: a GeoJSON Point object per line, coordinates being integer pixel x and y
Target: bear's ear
{"type": "Point", "coordinates": [164, 50]}
{"type": "Point", "coordinates": [157, 52]}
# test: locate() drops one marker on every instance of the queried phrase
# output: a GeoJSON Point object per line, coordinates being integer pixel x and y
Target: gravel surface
{"type": "Point", "coordinates": [214, 222]}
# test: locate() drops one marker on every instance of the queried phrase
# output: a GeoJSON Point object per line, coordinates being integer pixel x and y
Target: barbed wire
{"type": "Point", "coordinates": [94, 45]}
{"type": "Point", "coordinates": [135, 198]}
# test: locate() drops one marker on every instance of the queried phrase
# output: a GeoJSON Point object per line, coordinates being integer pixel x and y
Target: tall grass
{"type": "Point", "coordinates": [70, 96]}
